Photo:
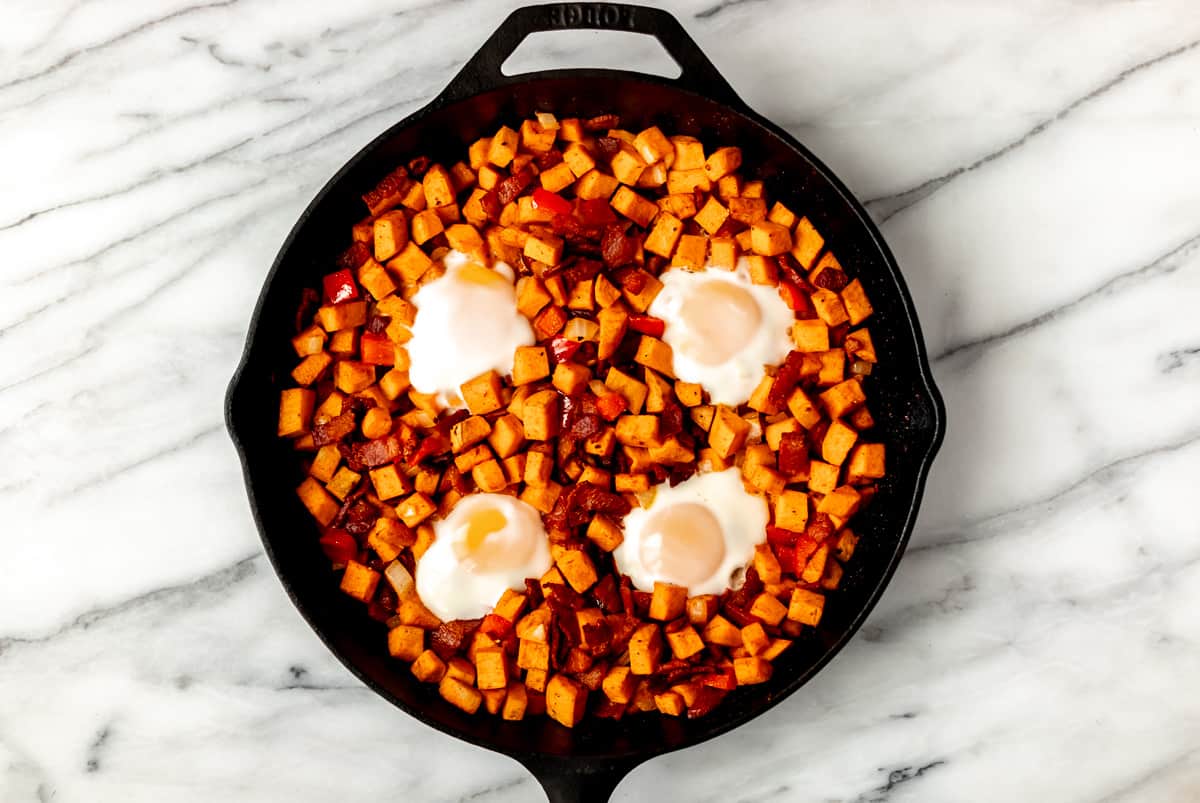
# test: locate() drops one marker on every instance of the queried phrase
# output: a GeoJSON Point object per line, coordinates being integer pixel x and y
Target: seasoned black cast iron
{"type": "Point", "coordinates": [584, 764]}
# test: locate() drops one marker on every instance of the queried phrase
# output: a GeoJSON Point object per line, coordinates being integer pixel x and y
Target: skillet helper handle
{"type": "Point", "coordinates": [697, 75]}
{"type": "Point", "coordinates": [568, 780]}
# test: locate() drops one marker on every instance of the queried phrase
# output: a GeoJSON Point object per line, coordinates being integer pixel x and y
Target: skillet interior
{"type": "Point", "coordinates": [903, 400]}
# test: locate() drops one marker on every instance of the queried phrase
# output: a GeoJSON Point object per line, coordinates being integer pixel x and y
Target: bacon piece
{"type": "Point", "coordinates": [354, 256]}
{"type": "Point", "coordinates": [606, 595]}
{"type": "Point", "coordinates": [832, 279]}
{"type": "Point", "coordinates": [786, 380]}
{"type": "Point", "coordinates": [581, 270]}
{"type": "Point", "coordinates": [310, 299]}
{"type": "Point", "coordinates": [334, 429]}
{"type": "Point", "coordinates": [577, 505]}
{"type": "Point", "coordinates": [601, 122]}
{"type": "Point", "coordinates": [549, 159]}
{"type": "Point", "coordinates": [618, 247]}
{"type": "Point", "coordinates": [508, 189]}
{"type": "Point", "coordinates": [793, 452]}
{"type": "Point", "coordinates": [373, 453]}
{"type": "Point", "coordinates": [449, 637]}
{"type": "Point", "coordinates": [706, 700]}
{"type": "Point", "coordinates": [418, 165]}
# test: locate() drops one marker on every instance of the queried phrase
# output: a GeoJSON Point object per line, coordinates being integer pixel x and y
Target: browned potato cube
{"type": "Point", "coordinates": [577, 568]}
{"type": "Point", "coordinates": [491, 669]}
{"type": "Point", "coordinates": [769, 609]}
{"type": "Point", "coordinates": [857, 306]}
{"type": "Point", "coordinates": [842, 503]}
{"type": "Point", "coordinates": [411, 263]}
{"type": "Point", "coordinates": [723, 632]}
{"type": "Point", "coordinates": [866, 463]}
{"type": "Point", "coordinates": [766, 564]}
{"type": "Point", "coordinates": [689, 394]}
{"type": "Point", "coordinates": [689, 153]}
{"type": "Point", "coordinates": [712, 215]}
{"type": "Point", "coordinates": [320, 504]}
{"type": "Point", "coordinates": [390, 234]}
{"type": "Point", "coordinates": [631, 483]}
{"type": "Point", "coordinates": [748, 210]}
{"type": "Point", "coordinates": [472, 457]}
{"type": "Point", "coordinates": [829, 307]}
{"type": "Point", "coordinates": [751, 670]}
{"type": "Point", "coordinates": [570, 377]}
{"type": "Point", "coordinates": [535, 681]}
{"type": "Point", "coordinates": [566, 700]}
{"type": "Point", "coordinates": [483, 393]}
{"type": "Point", "coordinates": [846, 543]}
{"type": "Point", "coordinates": [359, 581]}
{"type": "Point", "coordinates": [770, 239]}
{"type": "Point", "coordinates": [806, 607]}
{"type": "Point", "coordinates": [645, 650]}
{"type": "Point", "coordinates": [468, 432]}
{"type": "Point", "coordinates": [691, 253]}
{"type": "Point", "coordinates": [806, 243]}
{"type": "Point", "coordinates": [310, 341]}
{"type": "Point", "coordinates": [791, 511]}
{"type": "Point", "coordinates": [619, 684]}
{"type": "Point", "coordinates": [687, 181]}
{"type": "Point", "coordinates": [654, 353]}
{"type": "Point", "coordinates": [325, 462]}
{"type": "Point", "coordinates": [782, 215]}
{"type": "Point", "coordinates": [722, 162]}
{"type": "Point", "coordinates": [415, 509]}
{"type": "Point", "coordinates": [503, 147]}
{"type": "Point", "coordinates": [594, 185]}
{"type": "Point", "coordinates": [606, 292]}
{"type": "Point", "coordinates": [822, 477]}
{"type": "Point", "coordinates": [376, 279]}
{"type": "Point", "coordinates": [508, 435]}
{"type": "Point", "coordinates": [642, 300]}
{"type": "Point", "coordinates": [538, 466]}
{"type": "Point", "coordinates": [406, 642]}
{"type": "Point", "coordinates": [428, 667]}
{"type": "Point", "coordinates": [425, 226]}
{"type": "Point", "coordinates": [543, 498]}
{"type": "Point", "coordinates": [839, 439]}
{"type": "Point", "coordinates": [459, 694]}
{"type": "Point", "coordinates": [530, 363]}
{"type": "Point", "coordinates": [843, 398]}
{"type": "Point", "coordinates": [728, 432]}
{"type": "Point", "coordinates": [685, 642]}
{"type": "Point", "coordinates": [662, 238]}
{"type": "Point", "coordinates": [633, 391]}
{"type": "Point", "coordinates": [604, 533]}
{"type": "Point", "coordinates": [350, 376]}
{"type": "Point", "coordinates": [832, 367]}
{"type": "Point", "coordinates": [670, 703]}
{"type": "Point", "coordinates": [389, 482]}
{"type": "Point", "coordinates": [633, 206]}
{"type": "Point", "coordinates": [724, 252]}
{"type": "Point", "coordinates": [667, 602]}
{"type": "Point", "coordinates": [637, 430]}
{"type": "Point", "coordinates": [682, 206]}
{"type": "Point", "coordinates": [532, 296]}
{"type": "Point", "coordinates": [343, 483]}
{"type": "Point", "coordinates": [810, 335]}
{"type": "Point", "coordinates": [540, 415]}
{"type": "Point", "coordinates": [578, 159]}
{"type": "Point", "coordinates": [613, 322]}
{"type": "Point", "coordinates": [755, 638]}
{"type": "Point", "coordinates": [702, 608]}
{"type": "Point", "coordinates": [489, 476]}
{"type": "Point", "coordinates": [337, 317]}
{"type": "Point", "coordinates": [816, 565]}
{"type": "Point", "coordinates": [653, 146]}
{"type": "Point", "coordinates": [802, 409]}
{"type": "Point", "coordinates": [533, 654]}
{"type": "Point", "coordinates": [295, 412]}
{"type": "Point", "coordinates": [544, 248]}
{"type": "Point", "coordinates": [763, 270]}
{"type": "Point", "coordinates": [388, 537]}
{"type": "Point", "coordinates": [515, 702]}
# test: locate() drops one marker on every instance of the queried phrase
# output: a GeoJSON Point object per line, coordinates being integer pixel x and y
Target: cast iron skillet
{"type": "Point", "coordinates": [584, 764]}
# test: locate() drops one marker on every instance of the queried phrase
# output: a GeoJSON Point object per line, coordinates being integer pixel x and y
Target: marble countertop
{"type": "Point", "coordinates": [1036, 169]}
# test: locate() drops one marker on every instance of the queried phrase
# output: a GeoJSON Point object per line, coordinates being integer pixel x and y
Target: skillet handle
{"type": "Point", "coordinates": [697, 75]}
{"type": "Point", "coordinates": [568, 780]}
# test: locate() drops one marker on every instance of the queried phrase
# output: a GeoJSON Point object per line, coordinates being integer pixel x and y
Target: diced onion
{"type": "Point", "coordinates": [400, 579]}
{"type": "Point", "coordinates": [646, 498]}
{"type": "Point", "coordinates": [547, 120]}
{"type": "Point", "coordinates": [581, 329]}
{"type": "Point", "coordinates": [860, 368]}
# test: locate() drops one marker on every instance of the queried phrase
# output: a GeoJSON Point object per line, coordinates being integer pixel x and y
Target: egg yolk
{"type": "Point", "coordinates": [683, 542]}
{"type": "Point", "coordinates": [489, 545]}
{"type": "Point", "coordinates": [723, 317]}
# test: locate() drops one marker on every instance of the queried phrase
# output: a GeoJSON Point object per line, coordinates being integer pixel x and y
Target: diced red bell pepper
{"type": "Point", "coordinates": [647, 325]}
{"type": "Point", "coordinates": [433, 444]}
{"type": "Point", "coordinates": [723, 678]}
{"type": "Point", "coordinates": [595, 212]}
{"type": "Point", "coordinates": [555, 203]}
{"type": "Point", "coordinates": [339, 546]}
{"type": "Point", "coordinates": [792, 294]}
{"type": "Point", "coordinates": [786, 555]}
{"type": "Point", "coordinates": [340, 286]}
{"type": "Point", "coordinates": [495, 625]}
{"type": "Point", "coordinates": [377, 349]}
{"type": "Point", "coordinates": [779, 536]}
{"type": "Point", "coordinates": [563, 349]}
{"type": "Point", "coordinates": [805, 547]}
{"type": "Point", "coordinates": [611, 405]}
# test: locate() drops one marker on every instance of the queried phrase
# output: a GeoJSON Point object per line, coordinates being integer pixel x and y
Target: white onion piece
{"type": "Point", "coordinates": [400, 578]}
{"type": "Point", "coordinates": [581, 329]}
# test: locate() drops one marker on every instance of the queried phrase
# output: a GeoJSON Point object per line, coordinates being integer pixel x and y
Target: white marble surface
{"type": "Point", "coordinates": [1036, 168]}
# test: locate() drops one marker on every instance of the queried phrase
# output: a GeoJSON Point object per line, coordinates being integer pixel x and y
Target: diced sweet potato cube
{"type": "Point", "coordinates": [751, 670]}
{"type": "Point", "coordinates": [662, 238]}
{"type": "Point", "coordinates": [637, 430]}
{"type": "Point", "coordinates": [604, 533]}
{"type": "Point", "coordinates": [566, 700]}
{"type": "Point", "coordinates": [763, 270]}
{"type": "Point", "coordinates": [538, 467]}
{"type": "Point", "coordinates": [769, 609]}
{"type": "Point", "coordinates": [690, 394]}
{"type": "Point", "coordinates": [641, 300]}
{"type": "Point", "coordinates": [669, 703]}
{"type": "Point", "coordinates": [350, 376]}
{"type": "Point", "coordinates": [595, 185]}
{"type": "Point", "coordinates": [390, 234]}
{"type": "Point", "coordinates": [722, 162]}
{"type": "Point", "coordinates": [310, 341]}
{"type": "Point", "coordinates": [415, 509]}
{"type": "Point", "coordinates": [839, 439]}
{"type": "Point", "coordinates": [425, 226]}
{"type": "Point", "coordinates": [375, 278]}
{"type": "Point", "coordinates": [406, 642]}
{"type": "Point", "coordinates": [712, 215]}
{"type": "Point", "coordinates": [388, 482]}
{"type": "Point", "coordinates": [702, 608]}
{"type": "Point", "coordinates": [658, 391]}
{"type": "Point", "coordinates": [782, 215]}
{"type": "Point", "coordinates": [854, 299]}
{"type": "Point", "coordinates": [691, 252]}
{"type": "Point", "coordinates": [428, 667]}
{"type": "Point", "coordinates": [645, 650]}
{"type": "Point", "coordinates": [810, 335]}
{"type": "Point", "coordinates": [459, 694]}
{"type": "Point", "coordinates": [829, 307]}
{"type": "Point", "coordinates": [681, 205]}
{"type": "Point", "coordinates": [822, 477]}
{"type": "Point", "coordinates": [489, 476]}
{"type": "Point", "coordinates": [438, 187]}
{"type": "Point", "coordinates": [388, 537]}
{"type": "Point", "coordinates": [536, 681]}
{"type": "Point", "coordinates": [816, 565]}
{"type": "Point", "coordinates": [544, 248]}
{"type": "Point", "coordinates": [542, 498]}
{"type": "Point", "coordinates": [722, 632]}
{"type": "Point", "coordinates": [843, 398]}
{"type": "Point", "coordinates": [654, 353]}
{"type": "Point", "coordinates": [540, 414]}
{"type": "Point", "coordinates": [689, 153]}
{"type": "Point", "coordinates": [360, 581]}
{"type": "Point", "coordinates": [557, 178]}
{"type": "Point", "coordinates": [841, 503]}
{"type": "Point", "coordinates": [631, 483]}
{"type": "Point", "coordinates": [806, 243]}
{"type": "Point", "coordinates": [791, 510]}
{"type": "Point", "coordinates": [627, 166]}
{"type": "Point", "coordinates": [491, 668]}
{"type": "Point", "coordinates": [633, 206]}
{"type": "Point", "coordinates": [515, 702]}
{"type": "Point", "coordinates": [578, 159]}
{"type": "Point", "coordinates": [832, 367]}
{"type": "Point", "coordinates": [503, 147]}
{"type": "Point", "coordinates": [724, 252]}
{"type": "Point", "coordinates": [667, 602]}
{"type": "Point", "coordinates": [530, 363]}
{"type": "Point", "coordinates": [483, 393]}
{"type": "Point", "coordinates": [533, 654]}
{"type": "Point", "coordinates": [748, 210]}
{"type": "Point", "coordinates": [467, 460]}
{"type": "Point", "coordinates": [770, 239]}
{"type": "Point", "coordinates": [411, 263]}
{"type": "Point", "coordinates": [755, 638]}
{"type": "Point", "coordinates": [672, 450]}
{"type": "Point", "coordinates": [325, 462]}
{"type": "Point", "coordinates": [569, 377]}
{"type": "Point", "coordinates": [806, 607]}
{"type": "Point", "coordinates": [685, 643]}
{"type": "Point", "coordinates": [766, 564]}
{"type": "Point", "coordinates": [866, 463]}
{"type": "Point", "coordinates": [653, 146]}
{"type": "Point", "coordinates": [728, 432]}
{"type": "Point", "coordinates": [295, 411]}
{"type": "Point", "coordinates": [630, 389]}
{"type": "Point", "coordinates": [687, 181]}
{"type": "Point", "coordinates": [507, 436]}
{"type": "Point", "coordinates": [468, 432]}
{"type": "Point", "coordinates": [619, 684]}
{"type": "Point", "coordinates": [846, 543]}
{"type": "Point", "coordinates": [577, 568]}
{"type": "Point", "coordinates": [319, 502]}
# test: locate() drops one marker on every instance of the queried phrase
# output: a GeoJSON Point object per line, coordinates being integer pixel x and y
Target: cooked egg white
{"type": "Point", "coordinates": [723, 329]}
{"type": "Point", "coordinates": [467, 323]}
{"type": "Point", "coordinates": [488, 543]}
{"type": "Point", "coordinates": [700, 534]}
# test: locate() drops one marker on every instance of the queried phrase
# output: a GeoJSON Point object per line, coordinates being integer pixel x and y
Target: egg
{"type": "Point", "coordinates": [723, 329]}
{"type": "Point", "coordinates": [700, 534]}
{"type": "Point", "coordinates": [467, 323]}
{"type": "Point", "coordinates": [488, 543]}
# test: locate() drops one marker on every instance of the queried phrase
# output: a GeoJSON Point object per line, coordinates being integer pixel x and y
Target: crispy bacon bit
{"type": "Point", "coordinates": [673, 672]}
{"type": "Point", "coordinates": [786, 379]}
{"type": "Point", "coordinates": [724, 679]}
{"type": "Point", "coordinates": [310, 299]}
{"type": "Point", "coordinates": [599, 637]}
{"type": "Point", "coordinates": [739, 616]}
{"type": "Point", "coordinates": [678, 472]}
{"type": "Point", "coordinates": [707, 699]}
{"type": "Point", "coordinates": [607, 147]}
{"type": "Point", "coordinates": [360, 516]}
{"type": "Point", "coordinates": [449, 637]}
{"type": "Point", "coordinates": [788, 270]}
{"type": "Point", "coordinates": [377, 324]}
{"type": "Point", "coordinates": [671, 419]}
{"type": "Point", "coordinates": [418, 165]}
{"type": "Point", "coordinates": [778, 536]}
{"type": "Point", "coordinates": [549, 159]}
{"type": "Point", "coordinates": [832, 279]}
{"type": "Point", "coordinates": [641, 604]}
{"type": "Point", "coordinates": [354, 256]}
{"type": "Point", "coordinates": [837, 334]}
{"type": "Point", "coordinates": [563, 597]}
{"type": "Point", "coordinates": [391, 185]}
{"type": "Point", "coordinates": [601, 122]}
{"type": "Point", "coordinates": [631, 279]}
{"type": "Point", "coordinates": [820, 527]}
{"type": "Point", "coordinates": [618, 247]}
{"type": "Point", "coordinates": [508, 189]}
{"type": "Point", "coordinates": [374, 453]}
{"type": "Point", "coordinates": [576, 506]}
{"type": "Point", "coordinates": [622, 627]}
{"type": "Point", "coordinates": [752, 586]}
{"type": "Point", "coordinates": [434, 443]}
{"type": "Point", "coordinates": [383, 607]}
{"type": "Point", "coordinates": [607, 709]}
{"type": "Point", "coordinates": [793, 452]}
{"type": "Point", "coordinates": [490, 201]}
{"type": "Point", "coordinates": [334, 429]}
{"type": "Point", "coordinates": [581, 270]}
{"type": "Point", "coordinates": [533, 592]}
{"type": "Point", "coordinates": [495, 626]}
{"type": "Point", "coordinates": [595, 212]}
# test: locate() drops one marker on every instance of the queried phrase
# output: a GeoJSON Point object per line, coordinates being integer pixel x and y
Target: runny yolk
{"type": "Point", "coordinates": [722, 318]}
{"type": "Point", "coordinates": [489, 545]}
{"type": "Point", "coordinates": [683, 543]}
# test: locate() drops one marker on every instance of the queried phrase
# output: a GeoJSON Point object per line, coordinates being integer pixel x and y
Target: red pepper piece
{"type": "Point", "coordinates": [647, 325]}
{"type": "Point", "coordinates": [434, 444]}
{"type": "Point", "coordinates": [724, 678]}
{"type": "Point", "coordinates": [340, 286]}
{"type": "Point", "coordinates": [611, 406]}
{"type": "Point", "coordinates": [339, 546]}
{"type": "Point", "coordinates": [377, 349]}
{"type": "Point", "coordinates": [786, 555]}
{"type": "Point", "coordinates": [792, 295]}
{"type": "Point", "coordinates": [595, 212]}
{"type": "Point", "coordinates": [778, 536]}
{"type": "Point", "coordinates": [495, 625]}
{"type": "Point", "coordinates": [544, 199]}
{"type": "Point", "coordinates": [563, 349]}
